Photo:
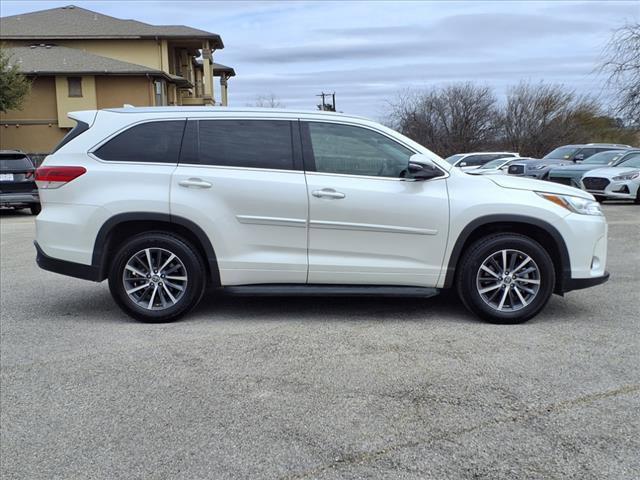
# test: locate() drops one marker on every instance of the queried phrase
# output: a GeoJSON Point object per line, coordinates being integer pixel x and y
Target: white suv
{"type": "Point", "coordinates": [167, 201]}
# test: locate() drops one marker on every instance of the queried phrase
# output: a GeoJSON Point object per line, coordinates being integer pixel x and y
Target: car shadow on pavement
{"type": "Point", "coordinates": [96, 305]}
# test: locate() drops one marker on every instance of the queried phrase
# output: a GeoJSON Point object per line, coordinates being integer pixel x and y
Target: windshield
{"type": "Point", "coordinates": [494, 163]}
{"type": "Point", "coordinates": [633, 161]}
{"type": "Point", "coordinates": [562, 152]}
{"type": "Point", "coordinates": [603, 158]}
{"type": "Point", "coordinates": [454, 158]}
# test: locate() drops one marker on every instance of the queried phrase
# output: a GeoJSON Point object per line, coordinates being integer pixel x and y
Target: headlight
{"type": "Point", "coordinates": [627, 176]}
{"type": "Point", "coordinates": [538, 167]}
{"type": "Point", "coordinates": [579, 205]}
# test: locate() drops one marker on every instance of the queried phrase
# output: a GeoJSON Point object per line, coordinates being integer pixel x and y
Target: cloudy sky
{"type": "Point", "coordinates": [366, 51]}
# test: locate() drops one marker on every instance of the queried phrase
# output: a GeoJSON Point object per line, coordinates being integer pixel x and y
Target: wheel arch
{"type": "Point", "coordinates": [539, 230]}
{"type": "Point", "coordinates": [124, 225]}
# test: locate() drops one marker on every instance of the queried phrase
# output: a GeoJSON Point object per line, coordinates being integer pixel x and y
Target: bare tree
{"type": "Point", "coordinates": [267, 101]}
{"type": "Point", "coordinates": [453, 119]}
{"type": "Point", "coordinates": [538, 117]}
{"type": "Point", "coordinates": [622, 66]}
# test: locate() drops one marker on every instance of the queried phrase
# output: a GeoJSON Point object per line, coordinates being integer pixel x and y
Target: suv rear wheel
{"type": "Point", "coordinates": [505, 278]}
{"type": "Point", "coordinates": [157, 277]}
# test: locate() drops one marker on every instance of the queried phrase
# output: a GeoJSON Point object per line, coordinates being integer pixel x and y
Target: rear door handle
{"type": "Point", "coordinates": [327, 193]}
{"type": "Point", "coordinates": [194, 183]}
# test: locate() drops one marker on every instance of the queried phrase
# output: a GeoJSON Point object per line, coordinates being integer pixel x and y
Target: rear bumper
{"type": "Point", "coordinates": [22, 198]}
{"type": "Point", "coordinates": [580, 283]}
{"type": "Point", "coordinates": [64, 267]}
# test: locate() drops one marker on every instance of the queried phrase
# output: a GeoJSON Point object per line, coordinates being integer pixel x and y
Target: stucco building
{"type": "Point", "coordinates": [78, 59]}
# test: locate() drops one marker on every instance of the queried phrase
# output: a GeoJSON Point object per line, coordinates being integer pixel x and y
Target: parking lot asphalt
{"type": "Point", "coordinates": [306, 388]}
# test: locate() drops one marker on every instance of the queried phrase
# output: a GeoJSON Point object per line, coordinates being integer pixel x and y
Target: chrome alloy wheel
{"type": "Point", "coordinates": [154, 278]}
{"type": "Point", "coordinates": [508, 280]}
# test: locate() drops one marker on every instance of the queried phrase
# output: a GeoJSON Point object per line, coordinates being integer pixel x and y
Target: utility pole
{"type": "Point", "coordinates": [328, 107]}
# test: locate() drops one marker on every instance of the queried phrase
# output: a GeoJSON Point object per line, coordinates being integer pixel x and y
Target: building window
{"type": "Point", "coordinates": [75, 86]}
{"type": "Point", "coordinates": [159, 89]}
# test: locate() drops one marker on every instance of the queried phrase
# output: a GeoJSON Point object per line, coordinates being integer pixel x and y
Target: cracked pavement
{"type": "Point", "coordinates": [317, 388]}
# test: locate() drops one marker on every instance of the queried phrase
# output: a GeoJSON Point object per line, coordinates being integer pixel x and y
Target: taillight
{"type": "Point", "coordinates": [55, 177]}
{"type": "Point", "coordinates": [28, 175]}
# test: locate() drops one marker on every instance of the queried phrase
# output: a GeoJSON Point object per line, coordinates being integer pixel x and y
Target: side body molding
{"type": "Point", "coordinates": [101, 245]}
{"type": "Point", "coordinates": [523, 221]}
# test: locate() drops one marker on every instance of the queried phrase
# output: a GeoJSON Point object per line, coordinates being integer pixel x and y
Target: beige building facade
{"type": "Point", "coordinates": [78, 59]}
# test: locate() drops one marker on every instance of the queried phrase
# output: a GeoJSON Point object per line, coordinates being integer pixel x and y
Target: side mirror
{"type": "Point", "coordinates": [462, 164]}
{"type": "Point", "coordinates": [579, 157]}
{"type": "Point", "coordinates": [422, 168]}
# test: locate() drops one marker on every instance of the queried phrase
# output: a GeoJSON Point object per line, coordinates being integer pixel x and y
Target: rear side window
{"type": "Point", "coordinates": [246, 143]}
{"type": "Point", "coordinates": [15, 162]}
{"type": "Point", "coordinates": [80, 127]}
{"type": "Point", "coordinates": [152, 142]}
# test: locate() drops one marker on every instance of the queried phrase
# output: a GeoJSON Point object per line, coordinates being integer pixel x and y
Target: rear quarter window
{"type": "Point", "coordinates": [150, 142]}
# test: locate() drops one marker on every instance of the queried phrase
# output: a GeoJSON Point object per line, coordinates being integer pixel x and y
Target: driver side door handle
{"type": "Point", "coordinates": [328, 193]}
{"type": "Point", "coordinates": [195, 183]}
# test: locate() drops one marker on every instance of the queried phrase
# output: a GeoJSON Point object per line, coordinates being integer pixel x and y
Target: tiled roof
{"type": "Point", "coordinates": [60, 60]}
{"type": "Point", "coordinates": [75, 22]}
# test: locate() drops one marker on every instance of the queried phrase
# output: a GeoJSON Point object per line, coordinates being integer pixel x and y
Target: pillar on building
{"type": "Point", "coordinates": [207, 75]}
{"type": "Point", "coordinates": [223, 87]}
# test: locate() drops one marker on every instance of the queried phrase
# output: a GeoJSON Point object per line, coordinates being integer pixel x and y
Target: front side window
{"type": "Point", "coordinates": [246, 143]}
{"type": "Point", "coordinates": [350, 150]}
{"type": "Point", "coordinates": [75, 86]}
{"type": "Point", "coordinates": [152, 142]}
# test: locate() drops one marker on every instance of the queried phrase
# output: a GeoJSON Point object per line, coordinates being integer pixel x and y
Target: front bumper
{"type": "Point", "coordinates": [23, 198]}
{"type": "Point", "coordinates": [620, 189]}
{"type": "Point", "coordinates": [580, 283]}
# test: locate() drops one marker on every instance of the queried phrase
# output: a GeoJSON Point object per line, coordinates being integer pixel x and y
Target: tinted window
{"type": "Point", "coordinates": [246, 143]}
{"type": "Point", "coordinates": [356, 151]}
{"type": "Point", "coordinates": [80, 127]}
{"type": "Point", "coordinates": [15, 162]}
{"type": "Point", "coordinates": [147, 142]}
{"type": "Point", "coordinates": [476, 160]}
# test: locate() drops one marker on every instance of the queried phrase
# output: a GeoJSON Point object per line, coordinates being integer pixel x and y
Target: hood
{"type": "Point", "coordinates": [521, 183]}
{"type": "Point", "coordinates": [611, 172]}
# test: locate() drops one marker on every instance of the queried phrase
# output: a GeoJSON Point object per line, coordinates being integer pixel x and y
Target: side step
{"type": "Point", "coordinates": [323, 290]}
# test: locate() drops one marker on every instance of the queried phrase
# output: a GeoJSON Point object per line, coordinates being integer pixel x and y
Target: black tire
{"type": "Point", "coordinates": [35, 209]}
{"type": "Point", "coordinates": [190, 262]}
{"type": "Point", "coordinates": [468, 280]}
{"type": "Point", "coordinates": [600, 198]}
{"type": "Point", "coordinates": [637, 200]}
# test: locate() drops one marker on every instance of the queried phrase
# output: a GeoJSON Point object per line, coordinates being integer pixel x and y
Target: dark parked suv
{"type": "Point", "coordinates": [17, 183]}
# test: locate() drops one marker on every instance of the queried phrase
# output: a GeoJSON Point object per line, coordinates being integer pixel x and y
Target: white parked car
{"type": "Point", "coordinates": [165, 201]}
{"type": "Point", "coordinates": [498, 166]}
{"type": "Point", "coordinates": [470, 161]}
{"type": "Point", "coordinates": [621, 182]}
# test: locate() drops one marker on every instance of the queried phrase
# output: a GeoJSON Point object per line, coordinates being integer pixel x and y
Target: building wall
{"type": "Point", "coordinates": [34, 128]}
{"type": "Point", "coordinates": [37, 128]}
{"type": "Point", "coordinates": [115, 91]}
{"type": "Point", "coordinates": [67, 104]}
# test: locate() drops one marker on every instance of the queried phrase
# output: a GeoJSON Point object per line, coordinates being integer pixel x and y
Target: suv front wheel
{"type": "Point", "coordinates": [157, 277]}
{"type": "Point", "coordinates": [505, 278]}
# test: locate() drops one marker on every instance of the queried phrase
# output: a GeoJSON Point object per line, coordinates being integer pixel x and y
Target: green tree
{"type": "Point", "coordinates": [14, 86]}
